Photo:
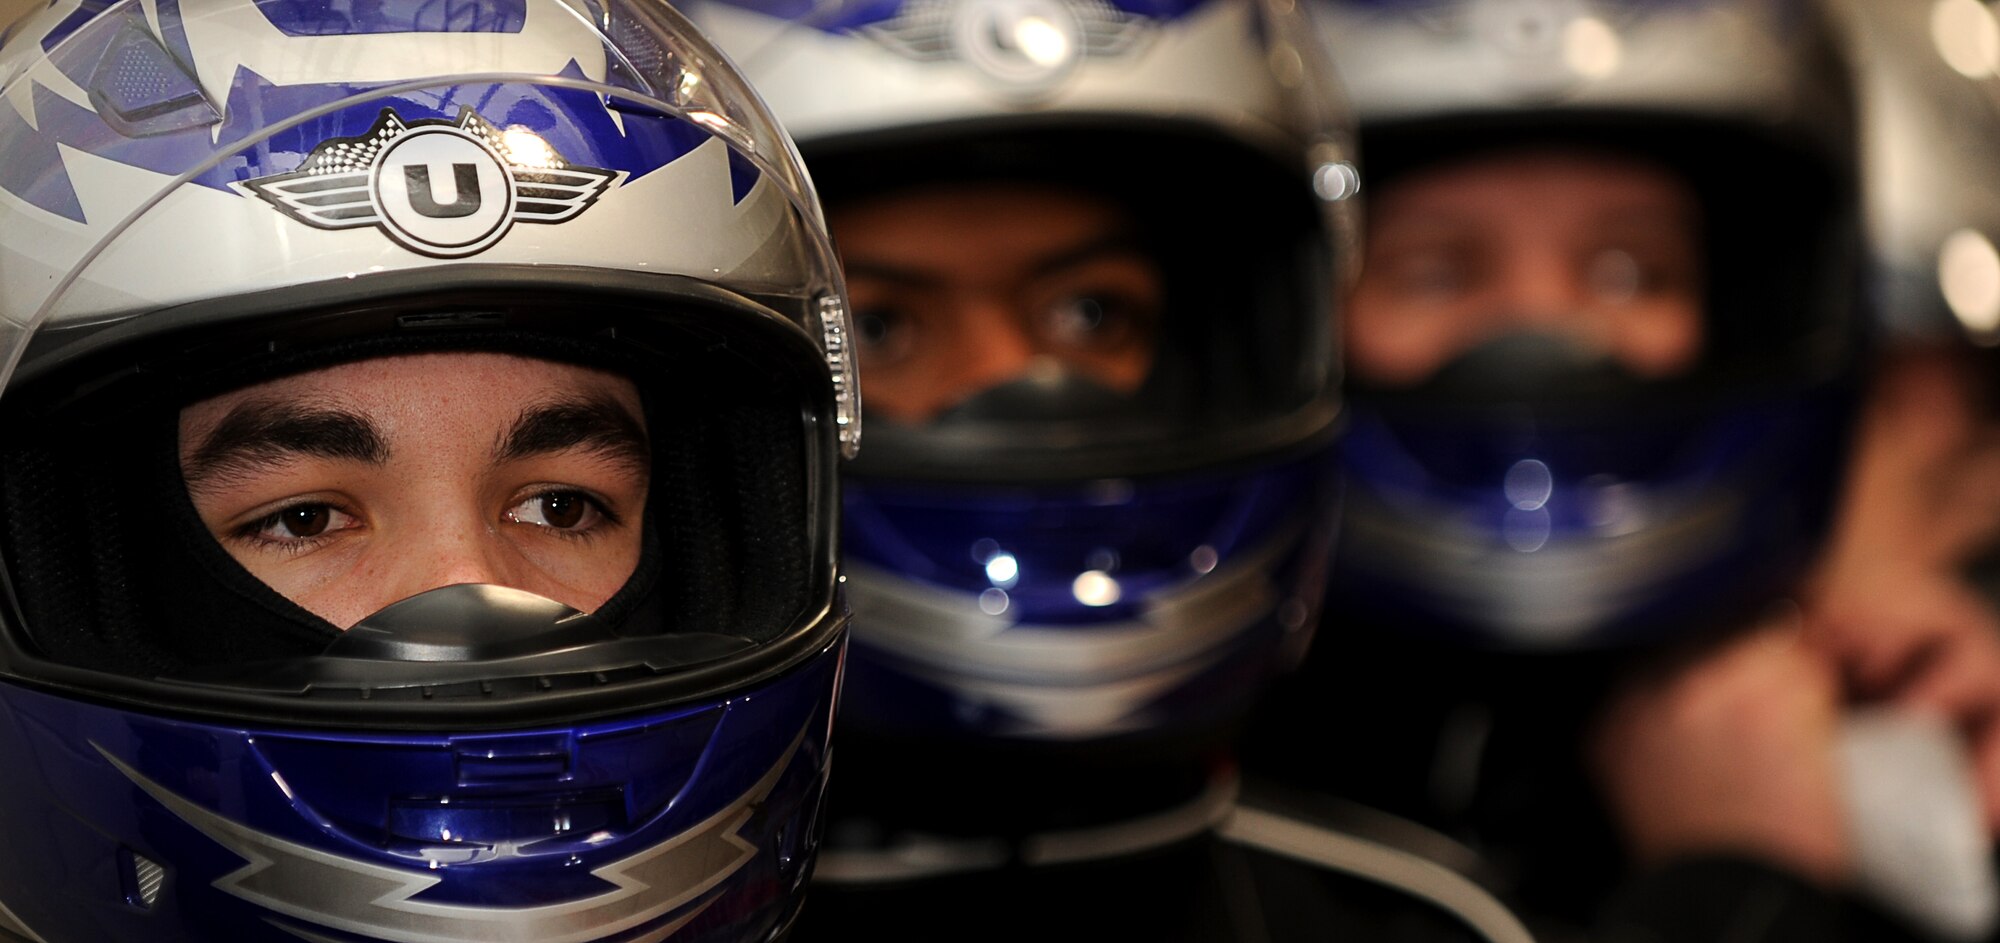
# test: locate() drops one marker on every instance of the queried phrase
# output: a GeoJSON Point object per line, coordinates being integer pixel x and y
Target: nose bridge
{"type": "Point", "coordinates": [452, 543]}
{"type": "Point", "coordinates": [1542, 288]}
{"type": "Point", "coordinates": [994, 343]}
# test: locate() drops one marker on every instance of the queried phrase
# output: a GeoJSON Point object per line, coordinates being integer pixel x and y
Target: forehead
{"type": "Point", "coordinates": [973, 227]}
{"type": "Point", "coordinates": [1537, 186]}
{"type": "Point", "coordinates": [427, 390]}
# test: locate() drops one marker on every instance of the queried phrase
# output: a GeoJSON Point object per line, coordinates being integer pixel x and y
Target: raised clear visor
{"type": "Point", "coordinates": [156, 161]}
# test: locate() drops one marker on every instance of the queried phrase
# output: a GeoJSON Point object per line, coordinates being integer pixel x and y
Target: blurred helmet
{"type": "Point", "coordinates": [1930, 98]}
{"type": "Point", "coordinates": [1930, 117]}
{"type": "Point", "coordinates": [1533, 492]}
{"type": "Point", "coordinates": [1049, 556]}
{"type": "Point", "coordinates": [202, 195]}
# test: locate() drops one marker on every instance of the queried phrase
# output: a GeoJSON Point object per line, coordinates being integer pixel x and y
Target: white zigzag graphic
{"type": "Point", "coordinates": [380, 902]}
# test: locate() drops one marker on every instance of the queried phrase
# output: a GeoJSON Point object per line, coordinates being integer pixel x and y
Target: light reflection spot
{"type": "Point", "coordinates": [1969, 276]}
{"type": "Point", "coordinates": [1203, 559]}
{"type": "Point", "coordinates": [1334, 181]}
{"type": "Point", "coordinates": [1292, 614]}
{"type": "Point", "coordinates": [1966, 36]}
{"type": "Point", "coordinates": [1095, 588]}
{"type": "Point", "coordinates": [527, 148]}
{"type": "Point", "coordinates": [993, 601]}
{"type": "Point", "coordinates": [1591, 48]}
{"type": "Point", "coordinates": [1002, 570]}
{"type": "Point", "coordinates": [1525, 531]}
{"type": "Point", "coordinates": [1528, 484]}
{"type": "Point", "coordinates": [1043, 42]}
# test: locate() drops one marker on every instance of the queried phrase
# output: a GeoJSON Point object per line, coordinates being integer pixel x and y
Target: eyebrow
{"type": "Point", "coordinates": [261, 433]}
{"type": "Point", "coordinates": [1649, 217]}
{"type": "Point", "coordinates": [595, 423]}
{"type": "Point", "coordinates": [1117, 243]}
{"type": "Point", "coordinates": [1424, 230]}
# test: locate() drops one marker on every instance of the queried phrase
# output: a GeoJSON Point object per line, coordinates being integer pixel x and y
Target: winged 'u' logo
{"type": "Point", "coordinates": [441, 188]}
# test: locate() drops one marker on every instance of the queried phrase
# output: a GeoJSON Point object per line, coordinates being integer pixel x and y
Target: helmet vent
{"type": "Point", "coordinates": [140, 90]}
{"type": "Point", "coordinates": [143, 878]}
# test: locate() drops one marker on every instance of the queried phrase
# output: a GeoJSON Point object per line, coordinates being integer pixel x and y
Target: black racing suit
{"type": "Point", "coordinates": [1486, 748]}
{"type": "Point", "coordinates": [923, 846]}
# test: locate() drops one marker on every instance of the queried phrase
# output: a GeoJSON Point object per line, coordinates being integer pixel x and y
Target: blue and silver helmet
{"type": "Point", "coordinates": [1530, 492]}
{"type": "Point", "coordinates": [201, 194]}
{"type": "Point", "coordinates": [1049, 557]}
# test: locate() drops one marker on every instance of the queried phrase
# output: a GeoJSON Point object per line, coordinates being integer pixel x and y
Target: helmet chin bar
{"type": "Point", "coordinates": [473, 639]}
{"type": "Point", "coordinates": [1049, 392]}
{"type": "Point", "coordinates": [1530, 362]}
{"type": "Point", "coordinates": [460, 622]}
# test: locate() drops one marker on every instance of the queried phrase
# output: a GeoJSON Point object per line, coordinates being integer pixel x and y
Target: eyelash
{"type": "Point", "coordinates": [610, 518]}
{"type": "Point", "coordinates": [253, 531]}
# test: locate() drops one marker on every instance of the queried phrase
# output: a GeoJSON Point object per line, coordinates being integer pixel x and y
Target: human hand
{"type": "Point", "coordinates": [1919, 487]}
{"type": "Point", "coordinates": [1888, 602]}
{"type": "Point", "coordinates": [1921, 639]}
{"type": "Point", "coordinates": [1731, 751]}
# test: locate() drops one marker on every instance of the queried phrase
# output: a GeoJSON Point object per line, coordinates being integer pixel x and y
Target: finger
{"type": "Point", "coordinates": [1885, 649]}
{"type": "Point", "coordinates": [1968, 504]}
{"type": "Point", "coordinates": [1960, 679]}
{"type": "Point", "coordinates": [1986, 771]}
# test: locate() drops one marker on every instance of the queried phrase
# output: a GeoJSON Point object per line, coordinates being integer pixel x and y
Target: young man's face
{"type": "Point", "coordinates": [356, 486]}
{"type": "Point", "coordinates": [960, 289]}
{"type": "Point", "coordinates": [1602, 250]}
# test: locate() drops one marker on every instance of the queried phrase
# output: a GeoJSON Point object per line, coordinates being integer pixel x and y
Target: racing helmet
{"type": "Point", "coordinates": [1046, 555]}
{"type": "Point", "coordinates": [1535, 493]}
{"type": "Point", "coordinates": [204, 195]}
{"type": "Point", "coordinates": [1928, 119]}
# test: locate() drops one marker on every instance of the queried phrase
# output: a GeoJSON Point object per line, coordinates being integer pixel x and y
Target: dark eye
{"type": "Point", "coordinates": [1076, 318]}
{"type": "Point", "coordinates": [562, 510]}
{"type": "Point", "coordinates": [1615, 276]}
{"type": "Point", "coordinates": [876, 325]}
{"type": "Point", "coordinates": [1626, 272]}
{"type": "Point", "coordinates": [1095, 321]}
{"type": "Point", "coordinates": [883, 333]}
{"type": "Point", "coordinates": [1432, 275]}
{"type": "Point", "coordinates": [305, 521]}
{"type": "Point", "coordinates": [300, 522]}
